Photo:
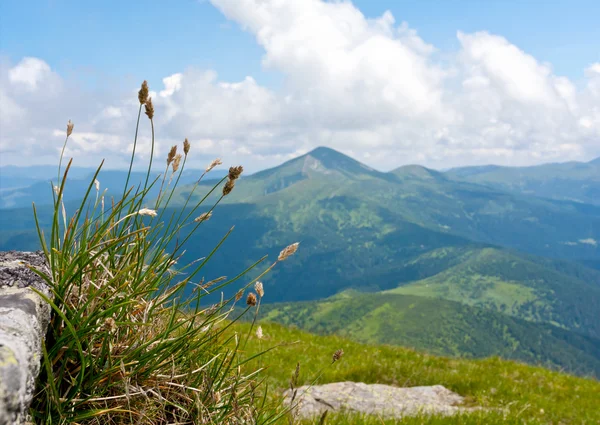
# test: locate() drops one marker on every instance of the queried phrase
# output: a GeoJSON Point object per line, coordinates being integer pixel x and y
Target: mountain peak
{"type": "Point", "coordinates": [595, 161]}
{"type": "Point", "coordinates": [327, 160]}
{"type": "Point", "coordinates": [416, 171]}
{"type": "Point", "coordinates": [322, 151]}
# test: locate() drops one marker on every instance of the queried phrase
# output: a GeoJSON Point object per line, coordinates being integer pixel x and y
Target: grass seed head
{"type": "Point", "coordinates": [203, 217]}
{"type": "Point", "coordinates": [213, 164]}
{"type": "Point", "coordinates": [239, 295]}
{"type": "Point", "coordinates": [171, 154]}
{"type": "Point", "coordinates": [338, 355]}
{"type": "Point", "coordinates": [295, 377]}
{"type": "Point", "coordinates": [147, 211]}
{"type": "Point", "coordinates": [176, 162]}
{"type": "Point", "coordinates": [288, 251]}
{"type": "Point", "coordinates": [259, 332]}
{"type": "Point", "coordinates": [228, 187]}
{"type": "Point", "coordinates": [234, 172]}
{"type": "Point", "coordinates": [143, 93]}
{"type": "Point", "coordinates": [251, 300]}
{"type": "Point", "coordinates": [258, 287]}
{"type": "Point", "coordinates": [186, 146]}
{"type": "Point", "coordinates": [70, 126]}
{"type": "Point", "coordinates": [149, 108]}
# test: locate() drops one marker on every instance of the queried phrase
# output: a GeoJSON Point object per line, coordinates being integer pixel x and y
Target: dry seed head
{"type": "Point", "coordinates": [70, 126]}
{"type": "Point", "coordinates": [203, 217]}
{"type": "Point", "coordinates": [251, 300]}
{"type": "Point", "coordinates": [147, 211]}
{"type": "Point", "coordinates": [176, 162]}
{"type": "Point", "coordinates": [234, 172]}
{"type": "Point", "coordinates": [228, 187]}
{"type": "Point", "coordinates": [338, 355]}
{"type": "Point", "coordinates": [97, 184]}
{"type": "Point", "coordinates": [259, 332]}
{"type": "Point", "coordinates": [143, 93]}
{"type": "Point", "coordinates": [295, 376]}
{"type": "Point", "coordinates": [288, 251]}
{"type": "Point", "coordinates": [186, 146]}
{"type": "Point", "coordinates": [213, 164]}
{"type": "Point", "coordinates": [171, 155]}
{"type": "Point", "coordinates": [258, 287]}
{"type": "Point", "coordinates": [239, 295]}
{"type": "Point", "coordinates": [149, 108]}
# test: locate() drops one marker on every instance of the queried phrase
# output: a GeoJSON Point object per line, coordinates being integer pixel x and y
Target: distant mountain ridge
{"type": "Point", "coordinates": [20, 186]}
{"type": "Point", "coordinates": [569, 181]}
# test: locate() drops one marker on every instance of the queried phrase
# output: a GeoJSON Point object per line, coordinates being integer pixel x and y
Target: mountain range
{"type": "Point", "coordinates": [496, 256]}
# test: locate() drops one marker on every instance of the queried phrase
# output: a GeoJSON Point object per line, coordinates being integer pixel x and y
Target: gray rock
{"type": "Point", "coordinates": [375, 399]}
{"type": "Point", "coordinates": [24, 318]}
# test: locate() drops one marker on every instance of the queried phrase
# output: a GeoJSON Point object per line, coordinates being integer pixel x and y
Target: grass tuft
{"type": "Point", "coordinates": [125, 345]}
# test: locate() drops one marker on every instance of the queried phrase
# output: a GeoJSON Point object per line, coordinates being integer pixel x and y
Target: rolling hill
{"type": "Point", "coordinates": [440, 327]}
{"type": "Point", "coordinates": [518, 285]}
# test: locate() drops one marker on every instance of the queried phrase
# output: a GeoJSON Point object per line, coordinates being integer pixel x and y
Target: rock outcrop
{"type": "Point", "coordinates": [24, 318]}
{"type": "Point", "coordinates": [375, 399]}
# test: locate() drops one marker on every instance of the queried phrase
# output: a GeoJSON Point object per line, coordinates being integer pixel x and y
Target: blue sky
{"type": "Point", "coordinates": [150, 39]}
{"type": "Point", "coordinates": [104, 44]}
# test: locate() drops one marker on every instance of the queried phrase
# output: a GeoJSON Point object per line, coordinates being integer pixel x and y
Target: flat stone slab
{"type": "Point", "coordinates": [376, 399]}
{"type": "Point", "coordinates": [24, 318]}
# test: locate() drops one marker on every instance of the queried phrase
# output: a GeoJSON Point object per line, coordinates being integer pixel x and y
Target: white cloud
{"type": "Point", "coordinates": [589, 241]}
{"type": "Point", "coordinates": [371, 87]}
{"type": "Point", "coordinates": [30, 72]}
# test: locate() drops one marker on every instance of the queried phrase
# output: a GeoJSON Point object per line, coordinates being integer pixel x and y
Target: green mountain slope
{"type": "Point", "coordinates": [522, 286]}
{"type": "Point", "coordinates": [360, 228]}
{"type": "Point", "coordinates": [327, 189]}
{"type": "Point", "coordinates": [575, 181]}
{"type": "Point", "coordinates": [440, 327]}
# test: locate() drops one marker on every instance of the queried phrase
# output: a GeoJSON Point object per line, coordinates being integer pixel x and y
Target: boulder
{"type": "Point", "coordinates": [375, 399]}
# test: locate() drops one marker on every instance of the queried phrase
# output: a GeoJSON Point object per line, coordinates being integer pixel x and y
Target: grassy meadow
{"type": "Point", "coordinates": [512, 393]}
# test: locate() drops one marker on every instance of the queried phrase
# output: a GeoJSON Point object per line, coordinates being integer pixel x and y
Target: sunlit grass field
{"type": "Point", "coordinates": [511, 392]}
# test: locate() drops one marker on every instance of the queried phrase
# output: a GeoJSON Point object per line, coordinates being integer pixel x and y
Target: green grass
{"type": "Point", "coordinates": [522, 393]}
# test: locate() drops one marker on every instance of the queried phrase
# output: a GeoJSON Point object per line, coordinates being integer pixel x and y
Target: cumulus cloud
{"type": "Point", "coordinates": [372, 88]}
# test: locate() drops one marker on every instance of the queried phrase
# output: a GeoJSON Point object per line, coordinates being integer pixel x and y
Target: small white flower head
{"type": "Point", "coordinates": [147, 211]}
{"type": "Point", "coordinates": [259, 333]}
{"type": "Point", "coordinates": [97, 184]}
{"type": "Point", "coordinates": [203, 217]}
{"type": "Point", "coordinates": [56, 189]}
{"type": "Point", "coordinates": [258, 287]}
